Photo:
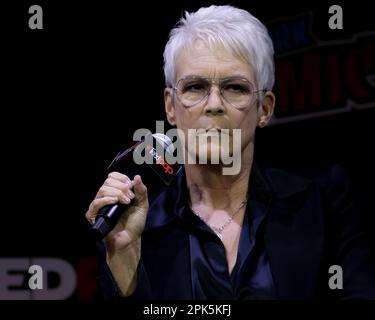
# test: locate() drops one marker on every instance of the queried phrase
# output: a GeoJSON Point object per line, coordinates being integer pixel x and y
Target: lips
{"type": "Point", "coordinates": [214, 130]}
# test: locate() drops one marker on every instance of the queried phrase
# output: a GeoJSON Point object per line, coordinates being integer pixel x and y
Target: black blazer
{"type": "Point", "coordinates": [311, 224]}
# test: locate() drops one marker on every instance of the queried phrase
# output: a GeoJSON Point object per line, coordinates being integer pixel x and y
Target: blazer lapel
{"type": "Point", "coordinates": [294, 237]}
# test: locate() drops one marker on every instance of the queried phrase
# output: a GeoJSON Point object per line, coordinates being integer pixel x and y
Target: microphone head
{"type": "Point", "coordinates": [165, 141]}
{"type": "Point", "coordinates": [132, 160]}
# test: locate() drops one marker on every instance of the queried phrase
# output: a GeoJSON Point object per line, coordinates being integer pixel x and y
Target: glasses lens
{"type": "Point", "coordinates": [192, 90]}
{"type": "Point", "coordinates": [237, 91]}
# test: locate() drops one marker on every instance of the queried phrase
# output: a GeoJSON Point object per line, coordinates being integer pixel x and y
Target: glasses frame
{"type": "Point", "coordinates": [218, 83]}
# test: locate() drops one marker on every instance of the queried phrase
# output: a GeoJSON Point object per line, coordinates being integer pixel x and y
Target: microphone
{"type": "Point", "coordinates": [156, 173]}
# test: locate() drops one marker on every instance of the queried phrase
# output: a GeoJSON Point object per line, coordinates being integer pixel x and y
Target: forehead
{"type": "Point", "coordinates": [211, 62]}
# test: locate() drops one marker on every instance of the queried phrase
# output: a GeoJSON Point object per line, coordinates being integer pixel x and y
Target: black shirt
{"type": "Point", "coordinates": [251, 276]}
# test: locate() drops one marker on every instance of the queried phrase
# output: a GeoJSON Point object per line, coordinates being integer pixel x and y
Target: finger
{"type": "Point", "coordinates": [124, 187]}
{"type": "Point", "coordinates": [96, 205]}
{"type": "Point", "coordinates": [122, 195]}
{"type": "Point", "coordinates": [119, 176]}
{"type": "Point", "coordinates": [139, 188]}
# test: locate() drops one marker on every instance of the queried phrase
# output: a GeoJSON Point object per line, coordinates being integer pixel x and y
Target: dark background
{"type": "Point", "coordinates": [74, 92]}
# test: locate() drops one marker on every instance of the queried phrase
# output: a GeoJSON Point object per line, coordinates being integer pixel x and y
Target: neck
{"type": "Point", "coordinates": [210, 189]}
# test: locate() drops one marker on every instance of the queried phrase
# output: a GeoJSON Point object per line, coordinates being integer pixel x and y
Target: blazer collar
{"type": "Point", "coordinates": [284, 184]}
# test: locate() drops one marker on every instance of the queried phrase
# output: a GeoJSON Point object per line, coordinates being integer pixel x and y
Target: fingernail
{"type": "Point", "coordinates": [130, 194]}
{"type": "Point", "coordinates": [125, 199]}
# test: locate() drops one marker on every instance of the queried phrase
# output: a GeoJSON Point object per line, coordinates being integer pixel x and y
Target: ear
{"type": "Point", "coordinates": [265, 110]}
{"type": "Point", "coordinates": [169, 106]}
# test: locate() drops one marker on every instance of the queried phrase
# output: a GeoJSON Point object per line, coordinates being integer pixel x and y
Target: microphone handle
{"type": "Point", "coordinates": [106, 219]}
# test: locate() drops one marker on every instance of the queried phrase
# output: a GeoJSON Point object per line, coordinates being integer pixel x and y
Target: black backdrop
{"type": "Point", "coordinates": [76, 91]}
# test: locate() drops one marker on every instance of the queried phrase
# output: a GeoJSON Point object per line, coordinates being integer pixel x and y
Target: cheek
{"type": "Point", "coordinates": [185, 118]}
{"type": "Point", "coordinates": [248, 124]}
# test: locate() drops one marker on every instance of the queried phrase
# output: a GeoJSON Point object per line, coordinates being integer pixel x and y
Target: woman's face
{"type": "Point", "coordinates": [215, 112]}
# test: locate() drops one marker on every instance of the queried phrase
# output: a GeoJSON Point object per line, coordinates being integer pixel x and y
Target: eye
{"type": "Point", "coordinates": [236, 88]}
{"type": "Point", "coordinates": [194, 87]}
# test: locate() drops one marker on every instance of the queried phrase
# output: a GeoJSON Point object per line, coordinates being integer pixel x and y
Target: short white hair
{"type": "Point", "coordinates": [235, 29]}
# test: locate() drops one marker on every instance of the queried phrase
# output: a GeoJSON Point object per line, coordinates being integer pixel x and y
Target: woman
{"type": "Point", "coordinates": [257, 234]}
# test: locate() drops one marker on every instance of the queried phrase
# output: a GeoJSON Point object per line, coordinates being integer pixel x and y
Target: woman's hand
{"type": "Point", "coordinates": [119, 188]}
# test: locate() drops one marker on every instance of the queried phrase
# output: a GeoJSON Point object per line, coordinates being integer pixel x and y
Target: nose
{"type": "Point", "coordinates": [214, 105]}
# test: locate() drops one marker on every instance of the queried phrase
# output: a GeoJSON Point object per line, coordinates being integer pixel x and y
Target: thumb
{"type": "Point", "coordinates": [140, 189]}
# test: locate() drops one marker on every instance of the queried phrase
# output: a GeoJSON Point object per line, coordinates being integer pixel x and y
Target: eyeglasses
{"type": "Point", "coordinates": [237, 91]}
